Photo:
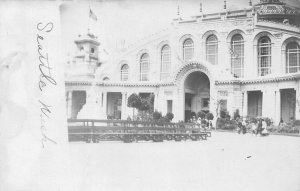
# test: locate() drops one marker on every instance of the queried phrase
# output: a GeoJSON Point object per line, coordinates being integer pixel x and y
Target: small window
{"type": "Point", "coordinates": [92, 50]}
{"type": "Point", "coordinates": [124, 72]}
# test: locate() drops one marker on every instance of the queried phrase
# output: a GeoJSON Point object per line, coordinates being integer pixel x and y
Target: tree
{"type": "Point", "coordinates": [134, 101]}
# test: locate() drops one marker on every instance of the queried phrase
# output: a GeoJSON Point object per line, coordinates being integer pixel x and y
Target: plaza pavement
{"type": "Point", "coordinates": [226, 161]}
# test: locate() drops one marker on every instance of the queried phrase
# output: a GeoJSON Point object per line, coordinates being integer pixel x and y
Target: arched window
{"type": "Point", "coordinates": [124, 72]}
{"type": "Point", "coordinates": [144, 67]}
{"type": "Point", "coordinates": [212, 49]}
{"type": "Point", "coordinates": [292, 57]}
{"type": "Point", "coordinates": [237, 56]}
{"type": "Point", "coordinates": [264, 56]}
{"type": "Point", "coordinates": [165, 62]}
{"type": "Point", "coordinates": [188, 49]}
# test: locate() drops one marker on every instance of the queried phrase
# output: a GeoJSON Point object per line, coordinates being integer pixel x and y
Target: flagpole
{"type": "Point", "coordinates": [89, 17]}
{"type": "Point", "coordinates": [89, 20]}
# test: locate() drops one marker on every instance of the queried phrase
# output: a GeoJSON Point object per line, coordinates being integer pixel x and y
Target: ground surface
{"type": "Point", "coordinates": [226, 161]}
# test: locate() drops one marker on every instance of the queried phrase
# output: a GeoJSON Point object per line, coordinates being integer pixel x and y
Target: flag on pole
{"type": "Point", "coordinates": [92, 15]}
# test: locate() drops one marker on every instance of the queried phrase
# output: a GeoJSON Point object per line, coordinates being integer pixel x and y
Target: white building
{"type": "Point", "coordinates": [249, 59]}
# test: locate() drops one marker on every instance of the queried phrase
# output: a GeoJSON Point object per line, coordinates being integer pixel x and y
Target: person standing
{"type": "Point", "coordinates": [259, 127]}
{"type": "Point", "coordinates": [264, 128]}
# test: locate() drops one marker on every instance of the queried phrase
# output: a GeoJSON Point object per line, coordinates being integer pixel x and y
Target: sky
{"type": "Point", "coordinates": [131, 20]}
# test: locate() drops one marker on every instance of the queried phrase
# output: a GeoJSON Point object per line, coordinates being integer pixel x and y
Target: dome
{"type": "Point", "coordinates": [89, 37]}
{"type": "Point", "coordinates": [277, 11]}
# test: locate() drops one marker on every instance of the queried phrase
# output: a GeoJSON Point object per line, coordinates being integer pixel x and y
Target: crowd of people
{"type": "Point", "coordinates": [203, 124]}
{"type": "Point", "coordinates": [258, 127]}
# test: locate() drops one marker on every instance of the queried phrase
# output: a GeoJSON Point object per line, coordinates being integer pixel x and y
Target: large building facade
{"type": "Point", "coordinates": [246, 60]}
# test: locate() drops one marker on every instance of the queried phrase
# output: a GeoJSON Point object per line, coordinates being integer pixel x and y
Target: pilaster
{"type": "Point", "coordinates": [277, 107]}
{"type": "Point", "coordinates": [124, 106]}
{"type": "Point", "coordinates": [245, 104]}
{"type": "Point", "coordinates": [104, 107]}
{"type": "Point", "coordinates": [297, 113]}
{"type": "Point", "coordinates": [69, 104]}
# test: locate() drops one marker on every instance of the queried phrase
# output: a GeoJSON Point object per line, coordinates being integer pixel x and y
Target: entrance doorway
{"type": "Point", "coordinates": [196, 92]}
{"type": "Point", "coordinates": [114, 105]}
{"type": "Point", "coordinates": [288, 104]}
{"type": "Point", "coordinates": [78, 100]}
{"type": "Point", "coordinates": [254, 103]}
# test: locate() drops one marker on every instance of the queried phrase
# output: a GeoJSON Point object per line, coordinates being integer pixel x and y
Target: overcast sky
{"type": "Point", "coordinates": [131, 20]}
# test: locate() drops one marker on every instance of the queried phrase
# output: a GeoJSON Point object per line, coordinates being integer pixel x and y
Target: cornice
{"type": "Point", "coordinates": [260, 80]}
{"type": "Point", "coordinates": [119, 84]}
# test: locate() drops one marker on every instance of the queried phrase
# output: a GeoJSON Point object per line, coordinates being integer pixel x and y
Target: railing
{"type": "Point", "coordinates": [89, 130]}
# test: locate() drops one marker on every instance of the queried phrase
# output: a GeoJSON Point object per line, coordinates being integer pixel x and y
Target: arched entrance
{"type": "Point", "coordinates": [196, 94]}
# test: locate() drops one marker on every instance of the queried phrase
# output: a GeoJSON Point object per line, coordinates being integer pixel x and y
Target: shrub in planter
{"type": "Point", "coordinates": [297, 122]}
{"type": "Point", "coordinates": [162, 120]}
{"type": "Point", "coordinates": [209, 116]}
{"type": "Point", "coordinates": [201, 114]}
{"type": "Point", "coordinates": [156, 115]}
{"type": "Point", "coordinates": [169, 116]}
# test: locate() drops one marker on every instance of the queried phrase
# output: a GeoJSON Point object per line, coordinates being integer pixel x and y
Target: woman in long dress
{"type": "Point", "coordinates": [264, 128]}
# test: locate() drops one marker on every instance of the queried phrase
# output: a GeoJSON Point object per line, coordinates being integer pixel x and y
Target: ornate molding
{"type": "Point", "coordinates": [192, 66]}
{"type": "Point", "coordinates": [278, 35]}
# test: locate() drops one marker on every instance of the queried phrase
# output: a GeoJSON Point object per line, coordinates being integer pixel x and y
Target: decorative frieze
{"type": "Point", "coordinates": [278, 35]}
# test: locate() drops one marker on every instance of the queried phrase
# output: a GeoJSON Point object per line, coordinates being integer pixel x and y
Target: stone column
{"type": "Point", "coordinates": [297, 112]}
{"type": "Point", "coordinates": [105, 103]}
{"type": "Point", "coordinates": [230, 103]}
{"type": "Point", "coordinates": [69, 104]}
{"type": "Point", "coordinates": [124, 106]}
{"type": "Point", "coordinates": [264, 104]}
{"type": "Point", "coordinates": [179, 106]}
{"type": "Point", "coordinates": [249, 66]}
{"type": "Point", "coordinates": [276, 63]}
{"type": "Point", "coordinates": [277, 107]}
{"type": "Point", "coordinates": [245, 103]}
{"type": "Point", "coordinates": [156, 101]}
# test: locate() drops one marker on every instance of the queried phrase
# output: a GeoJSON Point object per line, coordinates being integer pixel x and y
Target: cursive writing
{"type": "Point", "coordinates": [45, 112]}
{"type": "Point", "coordinates": [44, 66]}
{"type": "Point", "coordinates": [45, 78]}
